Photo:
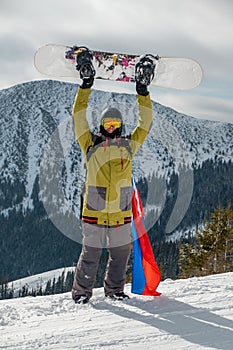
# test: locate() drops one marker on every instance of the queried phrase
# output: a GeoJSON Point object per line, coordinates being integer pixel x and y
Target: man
{"type": "Point", "coordinates": [106, 213]}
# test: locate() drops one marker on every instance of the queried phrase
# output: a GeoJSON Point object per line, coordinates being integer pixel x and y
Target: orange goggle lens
{"type": "Point", "coordinates": [107, 123]}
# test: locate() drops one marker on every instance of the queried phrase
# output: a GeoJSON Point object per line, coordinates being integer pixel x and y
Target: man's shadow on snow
{"type": "Point", "coordinates": [196, 325]}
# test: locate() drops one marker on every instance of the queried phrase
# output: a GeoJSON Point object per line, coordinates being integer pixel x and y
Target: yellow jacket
{"type": "Point", "coordinates": [108, 189]}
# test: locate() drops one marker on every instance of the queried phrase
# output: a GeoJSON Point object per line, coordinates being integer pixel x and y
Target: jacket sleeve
{"type": "Point", "coordinates": [142, 129]}
{"type": "Point", "coordinates": [81, 127]}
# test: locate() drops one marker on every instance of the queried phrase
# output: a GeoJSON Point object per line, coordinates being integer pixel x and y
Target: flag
{"type": "Point", "coordinates": [145, 272]}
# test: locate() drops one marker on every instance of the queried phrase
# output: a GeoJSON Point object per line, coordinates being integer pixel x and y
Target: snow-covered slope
{"type": "Point", "coordinates": [191, 314]}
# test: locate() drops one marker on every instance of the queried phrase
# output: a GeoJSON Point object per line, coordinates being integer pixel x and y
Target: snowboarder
{"type": "Point", "coordinates": [106, 213]}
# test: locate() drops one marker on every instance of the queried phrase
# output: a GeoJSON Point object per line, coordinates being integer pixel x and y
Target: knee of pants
{"type": "Point", "coordinates": [90, 254]}
{"type": "Point", "coordinates": [121, 251]}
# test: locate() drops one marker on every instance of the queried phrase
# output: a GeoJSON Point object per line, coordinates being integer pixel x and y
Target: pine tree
{"type": "Point", "coordinates": [187, 259]}
{"type": "Point", "coordinates": [59, 286]}
{"type": "Point", "coordinates": [3, 290]}
{"type": "Point", "coordinates": [213, 251]}
{"type": "Point", "coordinates": [48, 288]}
{"type": "Point", "coordinates": [53, 286]}
{"type": "Point", "coordinates": [24, 291]}
{"type": "Point", "coordinates": [11, 292]}
{"type": "Point", "coordinates": [69, 281]}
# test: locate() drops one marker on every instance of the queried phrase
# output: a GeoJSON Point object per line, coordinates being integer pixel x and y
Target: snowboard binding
{"type": "Point", "coordinates": [145, 69]}
{"type": "Point", "coordinates": [84, 62]}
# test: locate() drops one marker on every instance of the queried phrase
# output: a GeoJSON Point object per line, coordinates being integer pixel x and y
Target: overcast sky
{"type": "Point", "coordinates": [201, 29]}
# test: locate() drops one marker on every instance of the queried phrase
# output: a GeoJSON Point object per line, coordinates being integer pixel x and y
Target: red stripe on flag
{"type": "Point", "coordinates": [150, 267]}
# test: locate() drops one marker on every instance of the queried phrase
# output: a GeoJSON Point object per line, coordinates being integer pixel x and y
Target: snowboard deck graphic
{"type": "Point", "coordinates": [170, 72]}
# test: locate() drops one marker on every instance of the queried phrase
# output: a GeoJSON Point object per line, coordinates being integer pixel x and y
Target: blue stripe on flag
{"type": "Point", "coordinates": [138, 276]}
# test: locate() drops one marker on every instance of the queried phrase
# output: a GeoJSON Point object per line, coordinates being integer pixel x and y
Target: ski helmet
{"type": "Point", "coordinates": [111, 112]}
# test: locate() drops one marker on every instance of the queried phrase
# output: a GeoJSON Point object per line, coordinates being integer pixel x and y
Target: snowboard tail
{"type": "Point", "coordinates": [170, 72]}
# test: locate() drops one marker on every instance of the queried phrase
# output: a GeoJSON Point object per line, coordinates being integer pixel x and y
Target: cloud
{"type": "Point", "coordinates": [198, 29]}
{"type": "Point", "coordinates": [16, 59]}
{"type": "Point", "coordinates": [14, 48]}
{"type": "Point", "coordinates": [198, 105]}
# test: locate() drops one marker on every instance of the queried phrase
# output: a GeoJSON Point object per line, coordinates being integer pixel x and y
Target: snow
{"type": "Point", "coordinates": [195, 313]}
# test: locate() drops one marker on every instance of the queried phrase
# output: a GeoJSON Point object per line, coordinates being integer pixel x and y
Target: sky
{"type": "Point", "coordinates": [200, 29]}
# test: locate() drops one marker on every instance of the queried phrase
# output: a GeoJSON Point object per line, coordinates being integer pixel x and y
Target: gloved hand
{"type": "Point", "coordinates": [87, 82]}
{"type": "Point", "coordinates": [144, 74]}
{"type": "Point", "coordinates": [141, 89]}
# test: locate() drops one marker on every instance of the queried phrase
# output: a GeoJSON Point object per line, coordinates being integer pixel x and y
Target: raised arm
{"type": "Point", "coordinates": [81, 126]}
{"type": "Point", "coordinates": [87, 73]}
{"type": "Point", "coordinates": [144, 73]}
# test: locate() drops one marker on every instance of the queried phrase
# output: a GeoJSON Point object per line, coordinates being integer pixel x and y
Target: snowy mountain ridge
{"type": "Point", "coordinates": [31, 112]}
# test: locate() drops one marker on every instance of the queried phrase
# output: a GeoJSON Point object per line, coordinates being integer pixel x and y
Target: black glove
{"type": "Point", "coordinates": [85, 68]}
{"type": "Point", "coordinates": [87, 83]}
{"type": "Point", "coordinates": [144, 74]}
{"type": "Point", "coordinates": [141, 89]}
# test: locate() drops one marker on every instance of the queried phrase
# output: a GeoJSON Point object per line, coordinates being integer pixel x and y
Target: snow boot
{"type": "Point", "coordinates": [81, 299]}
{"type": "Point", "coordinates": [118, 296]}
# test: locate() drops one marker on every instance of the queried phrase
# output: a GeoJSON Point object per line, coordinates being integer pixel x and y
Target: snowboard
{"type": "Point", "coordinates": [170, 72]}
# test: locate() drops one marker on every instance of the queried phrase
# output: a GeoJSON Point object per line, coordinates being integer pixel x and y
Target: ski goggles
{"type": "Point", "coordinates": [108, 122]}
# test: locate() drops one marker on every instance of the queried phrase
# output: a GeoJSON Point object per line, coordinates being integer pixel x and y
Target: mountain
{"type": "Point", "coordinates": [192, 314]}
{"type": "Point", "coordinates": [184, 170]}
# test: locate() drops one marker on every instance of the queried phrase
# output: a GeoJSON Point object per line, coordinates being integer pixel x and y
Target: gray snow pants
{"type": "Point", "coordinates": [95, 237]}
